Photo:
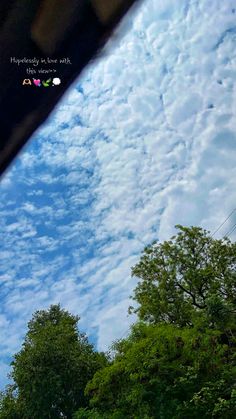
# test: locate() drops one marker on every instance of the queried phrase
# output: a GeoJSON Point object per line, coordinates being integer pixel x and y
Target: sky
{"type": "Point", "coordinates": [144, 140]}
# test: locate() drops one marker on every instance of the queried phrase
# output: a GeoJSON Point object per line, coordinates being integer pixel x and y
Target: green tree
{"type": "Point", "coordinates": [177, 363]}
{"type": "Point", "coordinates": [190, 277]}
{"type": "Point", "coordinates": [179, 360]}
{"type": "Point", "coordinates": [53, 367]}
{"type": "Point", "coordinates": [164, 372]}
{"type": "Point", "coordinates": [9, 406]}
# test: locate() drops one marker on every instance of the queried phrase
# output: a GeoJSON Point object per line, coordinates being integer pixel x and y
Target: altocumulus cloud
{"type": "Point", "coordinates": [144, 140]}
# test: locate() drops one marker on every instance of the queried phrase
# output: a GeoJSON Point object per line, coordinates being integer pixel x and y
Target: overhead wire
{"type": "Point", "coordinates": [221, 225]}
{"type": "Point", "coordinates": [228, 234]}
{"type": "Point", "coordinates": [218, 228]}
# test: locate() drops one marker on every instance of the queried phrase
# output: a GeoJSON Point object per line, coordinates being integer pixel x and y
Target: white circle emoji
{"type": "Point", "coordinates": [56, 81]}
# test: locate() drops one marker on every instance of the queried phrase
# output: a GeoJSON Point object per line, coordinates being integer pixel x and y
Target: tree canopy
{"type": "Point", "coordinates": [53, 367]}
{"type": "Point", "coordinates": [178, 361]}
{"type": "Point", "coordinates": [188, 278]}
{"type": "Point", "coordinates": [161, 371]}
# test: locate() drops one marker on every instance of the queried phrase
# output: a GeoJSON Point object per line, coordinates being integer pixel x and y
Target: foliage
{"type": "Point", "coordinates": [177, 363]}
{"type": "Point", "coordinates": [53, 366]}
{"type": "Point", "coordinates": [162, 371]}
{"type": "Point", "coordinates": [9, 406]}
{"type": "Point", "coordinates": [215, 400]}
{"type": "Point", "coordinates": [179, 360]}
{"type": "Point", "coordinates": [86, 413]}
{"type": "Point", "coordinates": [186, 280]}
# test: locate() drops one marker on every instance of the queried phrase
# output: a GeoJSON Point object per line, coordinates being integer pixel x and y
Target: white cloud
{"type": "Point", "coordinates": [143, 141]}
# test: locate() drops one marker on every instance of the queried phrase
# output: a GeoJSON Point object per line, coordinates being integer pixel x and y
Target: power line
{"type": "Point", "coordinates": [109, 352]}
{"type": "Point", "coordinates": [231, 230]}
{"type": "Point", "coordinates": [221, 225]}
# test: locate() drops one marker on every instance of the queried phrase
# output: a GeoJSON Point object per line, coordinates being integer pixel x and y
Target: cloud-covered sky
{"type": "Point", "coordinates": [144, 140]}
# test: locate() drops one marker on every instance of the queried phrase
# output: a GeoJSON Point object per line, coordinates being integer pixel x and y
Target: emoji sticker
{"type": "Point", "coordinates": [56, 81]}
{"type": "Point", "coordinates": [46, 83]}
{"type": "Point", "coordinates": [37, 82]}
{"type": "Point", "coordinates": [27, 82]}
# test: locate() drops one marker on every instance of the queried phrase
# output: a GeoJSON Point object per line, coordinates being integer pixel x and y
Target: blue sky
{"type": "Point", "coordinates": [144, 140]}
